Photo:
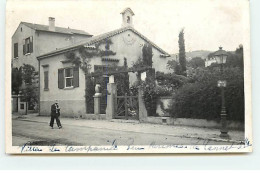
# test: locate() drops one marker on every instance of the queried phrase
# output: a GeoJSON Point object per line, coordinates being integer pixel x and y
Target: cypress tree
{"type": "Point", "coordinates": [182, 56]}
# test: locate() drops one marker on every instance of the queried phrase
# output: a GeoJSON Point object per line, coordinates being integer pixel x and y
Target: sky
{"type": "Point", "coordinates": [207, 24]}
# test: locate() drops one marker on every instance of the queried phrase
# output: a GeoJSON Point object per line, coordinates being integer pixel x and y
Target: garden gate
{"type": "Point", "coordinates": [126, 107]}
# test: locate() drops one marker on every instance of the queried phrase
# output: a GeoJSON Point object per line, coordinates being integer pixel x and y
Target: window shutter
{"type": "Point", "coordinates": [76, 77]}
{"type": "Point", "coordinates": [60, 78]}
{"type": "Point", "coordinates": [15, 50]}
{"type": "Point", "coordinates": [31, 44]}
{"type": "Point", "coordinates": [24, 49]}
{"type": "Point", "coordinates": [46, 80]}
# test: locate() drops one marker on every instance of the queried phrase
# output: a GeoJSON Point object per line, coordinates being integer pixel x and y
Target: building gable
{"type": "Point", "coordinates": [93, 40]}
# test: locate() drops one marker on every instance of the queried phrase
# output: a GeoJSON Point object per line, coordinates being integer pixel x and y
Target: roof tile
{"type": "Point", "coordinates": [57, 29]}
{"type": "Point", "coordinates": [95, 39]}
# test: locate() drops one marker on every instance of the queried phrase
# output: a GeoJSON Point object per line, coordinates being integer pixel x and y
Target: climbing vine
{"type": "Point", "coordinates": [82, 60]}
{"type": "Point", "coordinates": [89, 93]}
{"type": "Point", "coordinates": [149, 96]}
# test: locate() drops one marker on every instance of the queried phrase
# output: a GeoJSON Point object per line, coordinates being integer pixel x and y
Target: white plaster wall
{"type": "Point", "coordinates": [18, 38]}
{"type": "Point", "coordinates": [43, 42]}
{"type": "Point", "coordinates": [131, 50]}
{"type": "Point", "coordinates": [49, 41]}
{"type": "Point", "coordinates": [72, 101]}
{"type": "Point", "coordinates": [124, 19]}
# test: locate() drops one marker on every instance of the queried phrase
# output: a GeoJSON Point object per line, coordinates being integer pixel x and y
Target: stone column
{"type": "Point", "coordinates": [20, 110]}
{"type": "Point", "coordinates": [14, 103]}
{"type": "Point", "coordinates": [97, 98]}
{"type": "Point", "coordinates": [111, 100]}
{"type": "Point", "coordinates": [142, 109]}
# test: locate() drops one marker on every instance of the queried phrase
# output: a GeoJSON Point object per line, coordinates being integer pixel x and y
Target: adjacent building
{"type": "Point", "coordinates": [31, 40]}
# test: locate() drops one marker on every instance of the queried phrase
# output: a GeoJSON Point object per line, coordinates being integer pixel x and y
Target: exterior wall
{"type": "Point", "coordinates": [125, 18]}
{"type": "Point", "coordinates": [43, 42]}
{"type": "Point", "coordinates": [71, 101]}
{"type": "Point", "coordinates": [14, 103]}
{"type": "Point", "coordinates": [209, 61]}
{"type": "Point", "coordinates": [49, 41]}
{"type": "Point", "coordinates": [79, 37]}
{"type": "Point", "coordinates": [18, 38]}
{"type": "Point", "coordinates": [130, 47]}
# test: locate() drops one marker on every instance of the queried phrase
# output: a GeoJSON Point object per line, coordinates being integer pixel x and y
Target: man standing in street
{"type": "Point", "coordinates": [55, 114]}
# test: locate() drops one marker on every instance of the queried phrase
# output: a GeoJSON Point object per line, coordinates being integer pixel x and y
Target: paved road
{"type": "Point", "coordinates": [39, 133]}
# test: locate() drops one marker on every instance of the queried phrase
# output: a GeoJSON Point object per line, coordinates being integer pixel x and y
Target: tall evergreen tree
{"type": "Point", "coordinates": [182, 56]}
{"type": "Point", "coordinates": [148, 60]}
{"type": "Point", "coordinates": [147, 55]}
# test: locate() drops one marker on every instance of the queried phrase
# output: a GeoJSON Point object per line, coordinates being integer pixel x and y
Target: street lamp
{"type": "Point", "coordinates": [221, 58]}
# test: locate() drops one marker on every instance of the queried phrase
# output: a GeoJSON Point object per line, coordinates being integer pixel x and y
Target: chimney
{"type": "Point", "coordinates": [51, 23]}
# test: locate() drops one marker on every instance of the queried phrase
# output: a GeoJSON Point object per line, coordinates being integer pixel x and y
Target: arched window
{"type": "Point", "coordinates": [128, 19]}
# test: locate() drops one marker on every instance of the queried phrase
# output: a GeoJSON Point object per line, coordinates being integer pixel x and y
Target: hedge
{"type": "Point", "coordinates": [202, 98]}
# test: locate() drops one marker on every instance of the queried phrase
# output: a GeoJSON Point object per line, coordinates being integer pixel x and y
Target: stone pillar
{"type": "Point", "coordinates": [97, 98]}
{"type": "Point", "coordinates": [22, 106]}
{"type": "Point", "coordinates": [111, 100]}
{"type": "Point", "coordinates": [14, 103]}
{"type": "Point", "coordinates": [142, 109]}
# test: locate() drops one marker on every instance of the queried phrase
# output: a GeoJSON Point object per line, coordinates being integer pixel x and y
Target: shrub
{"type": "Point", "coordinates": [170, 81]}
{"type": "Point", "coordinates": [201, 99]}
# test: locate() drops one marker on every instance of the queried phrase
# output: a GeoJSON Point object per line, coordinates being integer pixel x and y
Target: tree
{"type": "Point", "coordinates": [16, 80]}
{"type": "Point", "coordinates": [147, 55]}
{"type": "Point", "coordinates": [28, 74]}
{"type": "Point", "coordinates": [29, 90]}
{"type": "Point", "coordinates": [196, 62]}
{"type": "Point", "coordinates": [175, 66]}
{"type": "Point", "coordinates": [235, 59]}
{"type": "Point", "coordinates": [182, 56]}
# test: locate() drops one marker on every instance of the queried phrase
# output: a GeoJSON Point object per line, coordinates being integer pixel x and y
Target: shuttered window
{"type": "Point", "coordinates": [15, 50]}
{"type": "Point", "coordinates": [24, 48]}
{"type": "Point", "coordinates": [76, 77]}
{"type": "Point", "coordinates": [46, 80]}
{"type": "Point", "coordinates": [31, 44]}
{"type": "Point", "coordinates": [61, 78]}
{"type": "Point", "coordinates": [68, 78]}
{"type": "Point", "coordinates": [28, 45]}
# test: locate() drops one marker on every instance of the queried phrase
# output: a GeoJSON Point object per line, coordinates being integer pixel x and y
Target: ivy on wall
{"type": "Point", "coordinates": [82, 60]}
{"type": "Point", "coordinates": [89, 93]}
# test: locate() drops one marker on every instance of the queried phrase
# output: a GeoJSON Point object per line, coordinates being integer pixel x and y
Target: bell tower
{"type": "Point", "coordinates": [127, 17]}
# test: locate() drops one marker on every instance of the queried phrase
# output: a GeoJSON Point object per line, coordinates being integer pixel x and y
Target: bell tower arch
{"type": "Point", "coordinates": [127, 17]}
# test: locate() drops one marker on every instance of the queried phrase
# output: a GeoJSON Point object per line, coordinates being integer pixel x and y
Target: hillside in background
{"type": "Point", "coordinates": [197, 53]}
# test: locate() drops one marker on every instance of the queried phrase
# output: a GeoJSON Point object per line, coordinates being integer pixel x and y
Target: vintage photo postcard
{"type": "Point", "coordinates": [150, 76]}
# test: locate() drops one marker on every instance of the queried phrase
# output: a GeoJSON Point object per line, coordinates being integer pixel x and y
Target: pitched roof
{"type": "Point", "coordinates": [127, 9]}
{"type": "Point", "coordinates": [39, 27]}
{"type": "Point", "coordinates": [95, 39]}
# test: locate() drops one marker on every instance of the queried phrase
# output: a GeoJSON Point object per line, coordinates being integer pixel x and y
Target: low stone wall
{"type": "Point", "coordinates": [207, 123]}
{"type": "Point", "coordinates": [192, 122]}
{"type": "Point", "coordinates": [14, 103]}
{"type": "Point", "coordinates": [159, 120]}
{"type": "Point", "coordinates": [94, 117]}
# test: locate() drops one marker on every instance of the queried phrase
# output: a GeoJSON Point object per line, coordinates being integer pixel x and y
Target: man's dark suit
{"type": "Point", "coordinates": [55, 113]}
